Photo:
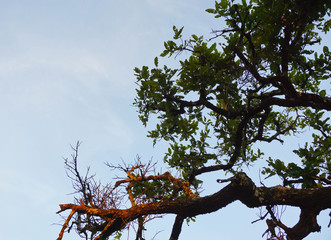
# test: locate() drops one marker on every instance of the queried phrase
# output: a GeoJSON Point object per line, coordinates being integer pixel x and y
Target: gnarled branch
{"type": "Point", "coordinates": [241, 187]}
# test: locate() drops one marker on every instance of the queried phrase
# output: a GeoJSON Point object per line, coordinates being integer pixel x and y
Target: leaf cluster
{"type": "Point", "coordinates": [259, 83]}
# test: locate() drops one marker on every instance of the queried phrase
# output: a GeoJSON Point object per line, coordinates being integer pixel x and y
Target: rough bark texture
{"type": "Point", "coordinates": [241, 187]}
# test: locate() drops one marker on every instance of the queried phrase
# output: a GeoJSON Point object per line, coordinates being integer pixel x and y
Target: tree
{"type": "Point", "coordinates": [260, 79]}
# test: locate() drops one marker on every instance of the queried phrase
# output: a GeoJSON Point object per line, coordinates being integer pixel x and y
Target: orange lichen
{"type": "Point", "coordinates": [65, 225]}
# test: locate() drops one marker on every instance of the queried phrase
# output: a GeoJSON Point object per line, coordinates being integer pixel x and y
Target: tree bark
{"type": "Point", "coordinates": [177, 227]}
{"type": "Point", "coordinates": [241, 187]}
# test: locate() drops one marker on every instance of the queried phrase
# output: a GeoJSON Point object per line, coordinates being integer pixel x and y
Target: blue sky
{"type": "Point", "coordinates": [66, 74]}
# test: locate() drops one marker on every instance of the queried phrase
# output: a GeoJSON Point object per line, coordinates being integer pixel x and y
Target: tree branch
{"type": "Point", "coordinates": [302, 100]}
{"type": "Point", "coordinates": [177, 227]}
{"type": "Point", "coordinates": [240, 188]}
{"type": "Point", "coordinates": [307, 224]}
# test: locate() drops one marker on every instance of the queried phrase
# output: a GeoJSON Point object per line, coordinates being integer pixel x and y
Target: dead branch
{"type": "Point", "coordinates": [240, 188]}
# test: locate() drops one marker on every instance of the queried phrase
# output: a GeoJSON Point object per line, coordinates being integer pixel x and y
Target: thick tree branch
{"type": "Point", "coordinates": [302, 100]}
{"type": "Point", "coordinates": [177, 227]}
{"type": "Point", "coordinates": [241, 188]}
{"type": "Point", "coordinates": [307, 224]}
{"type": "Point", "coordinates": [250, 67]}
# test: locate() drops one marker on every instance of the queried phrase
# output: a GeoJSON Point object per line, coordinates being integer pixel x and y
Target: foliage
{"type": "Point", "coordinates": [254, 85]}
{"type": "Point", "coordinates": [259, 79]}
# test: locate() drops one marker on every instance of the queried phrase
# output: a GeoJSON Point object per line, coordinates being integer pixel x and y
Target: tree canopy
{"type": "Point", "coordinates": [263, 78]}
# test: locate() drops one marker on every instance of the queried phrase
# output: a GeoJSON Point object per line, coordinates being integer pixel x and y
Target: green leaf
{"type": "Point", "coordinates": [195, 37]}
{"type": "Point", "coordinates": [178, 33]}
{"type": "Point", "coordinates": [156, 62]}
{"type": "Point", "coordinates": [224, 3]}
{"type": "Point", "coordinates": [325, 49]}
{"type": "Point", "coordinates": [233, 85]}
{"type": "Point", "coordinates": [322, 93]}
{"type": "Point", "coordinates": [210, 10]}
{"type": "Point", "coordinates": [164, 53]}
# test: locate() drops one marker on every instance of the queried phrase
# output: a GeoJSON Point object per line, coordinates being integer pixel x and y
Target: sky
{"type": "Point", "coordinates": [66, 75]}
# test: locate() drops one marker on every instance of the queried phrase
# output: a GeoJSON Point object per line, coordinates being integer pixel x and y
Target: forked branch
{"type": "Point", "coordinates": [241, 188]}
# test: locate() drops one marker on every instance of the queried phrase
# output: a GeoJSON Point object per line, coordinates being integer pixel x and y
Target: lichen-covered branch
{"type": "Point", "coordinates": [241, 187]}
{"type": "Point", "coordinates": [263, 82]}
